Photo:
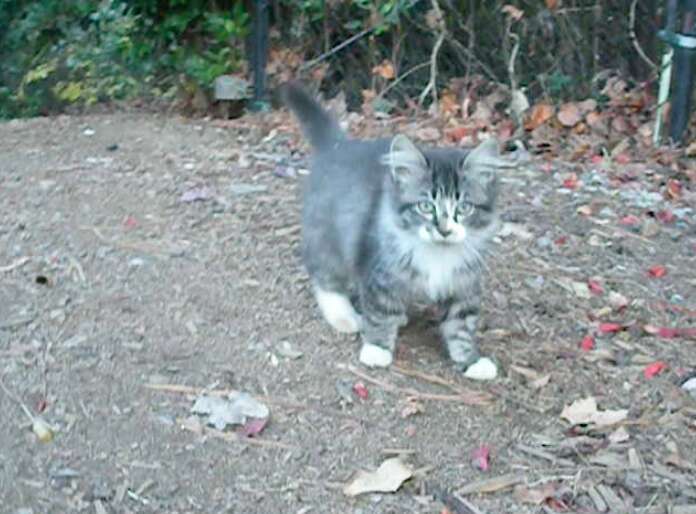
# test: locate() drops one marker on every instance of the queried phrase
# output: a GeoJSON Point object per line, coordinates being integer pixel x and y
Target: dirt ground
{"type": "Point", "coordinates": [141, 250]}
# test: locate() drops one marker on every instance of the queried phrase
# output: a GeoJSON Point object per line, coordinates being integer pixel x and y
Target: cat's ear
{"type": "Point", "coordinates": [486, 160]}
{"type": "Point", "coordinates": [406, 162]}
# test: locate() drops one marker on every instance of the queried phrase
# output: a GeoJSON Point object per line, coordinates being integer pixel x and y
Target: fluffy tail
{"type": "Point", "coordinates": [317, 124]}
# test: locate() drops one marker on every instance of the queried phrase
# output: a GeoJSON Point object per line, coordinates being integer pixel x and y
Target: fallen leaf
{"type": "Point", "coordinates": [286, 350]}
{"type": "Point", "coordinates": [610, 328]}
{"type": "Point", "coordinates": [384, 70]}
{"type": "Point", "coordinates": [630, 220]}
{"type": "Point", "coordinates": [514, 12]}
{"type": "Point", "coordinates": [412, 408]}
{"type": "Point", "coordinates": [665, 216]}
{"type": "Point", "coordinates": [587, 344]}
{"type": "Point", "coordinates": [584, 210]}
{"type": "Point", "coordinates": [229, 411]}
{"type": "Point", "coordinates": [386, 479]}
{"type": "Point", "coordinates": [581, 289]}
{"type": "Point", "coordinates": [253, 427]}
{"type": "Point", "coordinates": [427, 134]}
{"type": "Point", "coordinates": [569, 114]}
{"type": "Point", "coordinates": [536, 496]}
{"type": "Point", "coordinates": [671, 333]}
{"type": "Point", "coordinates": [596, 159]}
{"type": "Point", "coordinates": [674, 189]}
{"type": "Point", "coordinates": [571, 181]}
{"type": "Point", "coordinates": [595, 286]}
{"type": "Point", "coordinates": [657, 271]}
{"type": "Point", "coordinates": [540, 382]}
{"type": "Point", "coordinates": [584, 411]}
{"type": "Point", "coordinates": [620, 435]}
{"type": "Point", "coordinates": [129, 223]}
{"type": "Point", "coordinates": [43, 430]}
{"type": "Point", "coordinates": [617, 300]}
{"type": "Point", "coordinates": [651, 370]}
{"type": "Point", "coordinates": [551, 4]}
{"type": "Point", "coordinates": [538, 115]}
{"type": "Point", "coordinates": [622, 158]}
{"type": "Point", "coordinates": [360, 390]}
{"type": "Point", "coordinates": [195, 195]}
{"type": "Point", "coordinates": [480, 458]}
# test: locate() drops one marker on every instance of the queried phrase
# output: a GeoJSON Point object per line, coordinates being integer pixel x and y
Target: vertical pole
{"type": "Point", "coordinates": [663, 94]}
{"type": "Point", "coordinates": [260, 54]}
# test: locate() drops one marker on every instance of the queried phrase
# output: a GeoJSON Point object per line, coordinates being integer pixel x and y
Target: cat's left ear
{"type": "Point", "coordinates": [406, 162]}
{"type": "Point", "coordinates": [486, 160]}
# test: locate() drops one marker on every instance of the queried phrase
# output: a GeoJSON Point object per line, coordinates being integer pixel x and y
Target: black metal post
{"type": "Point", "coordinates": [259, 54]}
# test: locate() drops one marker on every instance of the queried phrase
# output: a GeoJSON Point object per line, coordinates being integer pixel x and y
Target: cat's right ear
{"type": "Point", "coordinates": [406, 162]}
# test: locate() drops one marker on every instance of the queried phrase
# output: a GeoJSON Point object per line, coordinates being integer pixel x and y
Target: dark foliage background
{"type": "Point", "coordinates": [57, 54]}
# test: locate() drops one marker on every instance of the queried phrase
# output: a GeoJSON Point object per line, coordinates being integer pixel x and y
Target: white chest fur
{"type": "Point", "coordinates": [438, 268]}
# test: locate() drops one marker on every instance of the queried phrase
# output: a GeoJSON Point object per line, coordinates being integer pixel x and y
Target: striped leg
{"type": "Point", "coordinates": [459, 331]}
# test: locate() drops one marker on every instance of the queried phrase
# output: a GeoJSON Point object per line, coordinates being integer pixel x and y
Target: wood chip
{"type": "Point", "coordinates": [597, 499]}
{"type": "Point", "coordinates": [615, 504]}
{"type": "Point", "coordinates": [492, 485]}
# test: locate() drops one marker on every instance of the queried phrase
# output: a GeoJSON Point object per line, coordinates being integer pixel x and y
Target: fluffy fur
{"type": "Point", "coordinates": [388, 226]}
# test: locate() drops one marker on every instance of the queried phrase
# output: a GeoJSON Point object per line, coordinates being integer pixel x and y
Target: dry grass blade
{"type": "Point", "coordinates": [463, 396]}
{"type": "Point", "coordinates": [491, 485]}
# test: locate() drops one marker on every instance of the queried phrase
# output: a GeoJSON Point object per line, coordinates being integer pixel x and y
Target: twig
{"type": "Point", "coordinates": [231, 436]}
{"type": "Point", "coordinates": [335, 49]}
{"type": "Point", "coordinates": [463, 396]}
{"type": "Point", "coordinates": [634, 39]}
{"type": "Point", "coordinates": [432, 83]}
{"type": "Point", "coordinates": [195, 391]}
{"type": "Point", "coordinates": [16, 264]}
{"type": "Point", "coordinates": [16, 399]}
{"type": "Point", "coordinates": [401, 77]}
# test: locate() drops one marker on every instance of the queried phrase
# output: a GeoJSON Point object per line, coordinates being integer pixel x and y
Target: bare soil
{"type": "Point", "coordinates": [140, 249]}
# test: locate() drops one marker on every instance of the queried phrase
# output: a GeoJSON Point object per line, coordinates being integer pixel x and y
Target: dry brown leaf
{"type": "Point", "coordinates": [538, 115]}
{"type": "Point", "coordinates": [385, 479]}
{"type": "Point", "coordinates": [587, 106]}
{"type": "Point", "coordinates": [384, 70]}
{"type": "Point", "coordinates": [537, 496]}
{"type": "Point", "coordinates": [569, 114]}
{"type": "Point", "coordinates": [585, 411]}
{"type": "Point", "coordinates": [449, 105]}
{"type": "Point", "coordinates": [551, 4]}
{"type": "Point", "coordinates": [514, 12]}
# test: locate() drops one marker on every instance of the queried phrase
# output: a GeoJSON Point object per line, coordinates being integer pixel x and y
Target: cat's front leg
{"type": "Point", "coordinates": [383, 313]}
{"type": "Point", "coordinates": [458, 330]}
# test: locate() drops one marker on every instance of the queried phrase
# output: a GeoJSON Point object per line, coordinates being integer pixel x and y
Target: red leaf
{"type": "Point", "coordinates": [596, 159]}
{"type": "Point", "coordinates": [480, 457]}
{"type": "Point", "coordinates": [674, 188]}
{"type": "Point", "coordinates": [571, 182]}
{"type": "Point", "coordinates": [587, 344]}
{"type": "Point", "coordinates": [665, 216]}
{"type": "Point", "coordinates": [561, 240]}
{"type": "Point", "coordinates": [670, 333]}
{"type": "Point", "coordinates": [657, 271]}
{"type": "Point", "coordinates": [654, 369]}
{"type": "Point", "coordinates": [595, 286]}
{"type": "Point", "coordinates": [360, 389]}
{"type": "Point", "coordinates": [610, 328]}
{"type": "Point", "coordinates": [630, 220]}
{"type": "Point", "coordinates": [253, 427]}
{"type": "Point", "coordinates": [622, 158]}
{"type": "Point", "coordinates": [129, 223]}
{"type": "Point", "coordinates": [41, 405]}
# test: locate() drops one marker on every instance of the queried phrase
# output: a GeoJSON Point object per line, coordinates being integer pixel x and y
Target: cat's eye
{"type": "Point", "coordinates": [426, 208]}
{"type": "Point", "coordinates": [465, 210]}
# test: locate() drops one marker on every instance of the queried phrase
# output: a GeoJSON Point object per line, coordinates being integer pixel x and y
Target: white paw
{"type": "Point", "coordinates": [374, 356]}
{"type": "Point", "coordinates": [482, 369]}
{"type": "Point", "coordinates": [338, 311]}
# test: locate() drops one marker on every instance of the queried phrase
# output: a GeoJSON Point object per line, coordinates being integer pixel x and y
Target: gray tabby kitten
{"type": "Point", "coordinates": [388, 226]}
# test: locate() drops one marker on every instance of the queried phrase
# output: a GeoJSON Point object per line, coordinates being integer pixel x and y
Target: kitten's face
{"type": "Point", "coordinates": [443, 196]}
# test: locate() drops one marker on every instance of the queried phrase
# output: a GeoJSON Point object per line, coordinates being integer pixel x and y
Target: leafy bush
{"type": "Point", "coordinates": [81, 52]}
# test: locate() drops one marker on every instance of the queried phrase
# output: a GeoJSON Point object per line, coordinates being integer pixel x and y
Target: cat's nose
{"type": "Point", "coordinates": [444, 229]}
